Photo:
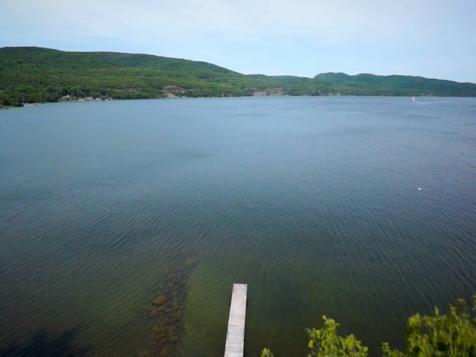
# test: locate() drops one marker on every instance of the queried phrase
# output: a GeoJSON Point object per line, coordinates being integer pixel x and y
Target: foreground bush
{"type": "Point", "coordinates": [452, 335]}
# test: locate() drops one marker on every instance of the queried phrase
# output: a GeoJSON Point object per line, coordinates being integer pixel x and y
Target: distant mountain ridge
{"type": "Point", "coordinates": [33, 74]}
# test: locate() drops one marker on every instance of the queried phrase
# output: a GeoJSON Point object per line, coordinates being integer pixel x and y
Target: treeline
{"type": "Point", "coordinates": [32, 75]}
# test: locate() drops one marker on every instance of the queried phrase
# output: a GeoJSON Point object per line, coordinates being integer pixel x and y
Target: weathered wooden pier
{"type": "Point", "coordinates": [235, 337]}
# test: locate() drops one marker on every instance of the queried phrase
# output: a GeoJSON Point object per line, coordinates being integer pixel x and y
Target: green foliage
{"type": "Point", "coordinates": [326, 342]}
{"type": "Point", "coordinates": [266, 353]}
{"type": "Point", "coordinates": [31, 74]}
{"type": "Point", "coordinates": [452, 335]}
{"type": "Point", "coordinates": [449, 335]}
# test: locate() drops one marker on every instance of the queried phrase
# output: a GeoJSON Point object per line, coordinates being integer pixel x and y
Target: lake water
{"type": "Point", "coordinates": [359, 208]}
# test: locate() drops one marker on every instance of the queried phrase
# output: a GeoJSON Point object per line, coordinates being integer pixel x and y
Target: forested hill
{"type": "Point", "coordinates": [32, 74]}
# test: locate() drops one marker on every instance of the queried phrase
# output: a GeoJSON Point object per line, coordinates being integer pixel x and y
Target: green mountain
{"type": "Point", "coordinates": [32, 74]}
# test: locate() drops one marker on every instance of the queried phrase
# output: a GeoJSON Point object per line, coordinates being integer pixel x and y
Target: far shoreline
{"type": "Point", "coordinates": [84, 100]}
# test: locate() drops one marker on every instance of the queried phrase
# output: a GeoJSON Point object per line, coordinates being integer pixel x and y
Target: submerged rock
{"type": "Point", "coordinates": [167, 308]}
{"type": "Point", "coordinates": [152, 312]}
{"type": "Point", "coordinates": [159, 300]}
{"type": "Point", "coordinates": [164, 351]}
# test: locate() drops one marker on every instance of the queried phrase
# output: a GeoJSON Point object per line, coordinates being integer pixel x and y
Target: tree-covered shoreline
{"type": "Point", "coordinates": [38, 75]}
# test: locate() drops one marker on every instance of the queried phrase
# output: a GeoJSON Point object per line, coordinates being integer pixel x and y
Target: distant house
{"type": "Point", "coordinates": [173, 91]}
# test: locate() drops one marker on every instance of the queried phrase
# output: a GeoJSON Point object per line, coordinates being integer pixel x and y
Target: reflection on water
{"type": "Point", "coordinates": [314, 202]}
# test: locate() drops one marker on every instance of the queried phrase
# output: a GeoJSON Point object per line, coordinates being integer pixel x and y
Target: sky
{"type": "Point", "coordinates": [431, 38]}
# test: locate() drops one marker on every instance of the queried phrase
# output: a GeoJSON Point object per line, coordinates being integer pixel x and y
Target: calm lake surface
{"type": "Point", "coordinates": [359, 208]}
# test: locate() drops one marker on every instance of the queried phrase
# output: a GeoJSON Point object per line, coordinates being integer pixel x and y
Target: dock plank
{"type": "Point", "coordinates": [235, 336]}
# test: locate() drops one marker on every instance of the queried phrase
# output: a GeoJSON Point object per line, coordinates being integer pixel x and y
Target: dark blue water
{"type": "Point", "coordinates": [362, 209]}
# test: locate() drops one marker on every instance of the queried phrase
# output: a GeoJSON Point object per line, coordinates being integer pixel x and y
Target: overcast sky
{"type": "Point", "coordinates": [432, 38]}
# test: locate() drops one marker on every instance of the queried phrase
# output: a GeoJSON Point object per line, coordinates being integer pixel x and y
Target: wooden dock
{"type": "Point", "coordinates": [235, 337]}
